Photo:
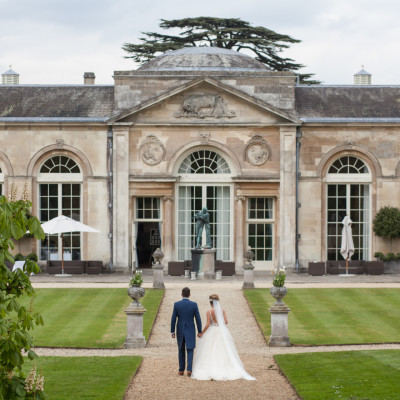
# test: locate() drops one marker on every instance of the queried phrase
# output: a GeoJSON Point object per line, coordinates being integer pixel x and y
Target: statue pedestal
{"type": "Point", "coordinates": [203, 262]}
{"type": "Point", "coordinates": [135, 338]}
{"type": "Point", "coordinates": [158, 276]}
{"type": "Point", "coordinates": [279, 326]}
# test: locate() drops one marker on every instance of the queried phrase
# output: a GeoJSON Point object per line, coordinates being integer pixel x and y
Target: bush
{"type": "Point", "coordinates": [33, 256]}
{"type": "Point", "coordinates": [387, 222]}
{"type": "Point", "coordinates": [387, 257]}
{"type": "Point", "coordinates": [19, 257]}
{"type": "Point", "coordinates": [16, 320]}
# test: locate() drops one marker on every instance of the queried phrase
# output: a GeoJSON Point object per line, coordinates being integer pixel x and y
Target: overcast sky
{"type": "Point", "coordinates": [53, 41]}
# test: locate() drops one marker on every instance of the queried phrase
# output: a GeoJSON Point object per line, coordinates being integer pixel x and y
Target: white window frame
{"type": "Point", "coordinates": [261, 264]}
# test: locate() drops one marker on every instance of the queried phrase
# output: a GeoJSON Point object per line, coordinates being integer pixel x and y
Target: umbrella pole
{"type": "Point", "coordinates": [347, 265]}
{"type": "Point", "coordinates": [62, 253]}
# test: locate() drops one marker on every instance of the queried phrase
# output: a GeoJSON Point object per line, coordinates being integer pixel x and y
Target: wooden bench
{"type": "Point", "coordinates": [70, 267]}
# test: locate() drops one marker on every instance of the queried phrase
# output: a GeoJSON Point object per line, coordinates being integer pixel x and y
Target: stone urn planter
{"type": "Point", "coordinates": [278, 293]}
{"type": "Point", "coordinates": [136, 292]}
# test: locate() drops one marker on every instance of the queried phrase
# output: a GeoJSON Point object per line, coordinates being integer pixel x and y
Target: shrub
{"type": "Point", "coordinates": [33, 256]}
{"type": "Point", "coordinates": [387, 222]}
{"type": "Point", "coordinates": [19, 257]}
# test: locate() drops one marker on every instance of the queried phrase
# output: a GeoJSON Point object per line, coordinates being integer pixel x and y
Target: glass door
{"type": "Point", "coordinates": [217, 199]}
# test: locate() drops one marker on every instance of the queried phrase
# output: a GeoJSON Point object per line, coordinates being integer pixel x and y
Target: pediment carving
{"type": "Point", "coordinates": [203, 105]}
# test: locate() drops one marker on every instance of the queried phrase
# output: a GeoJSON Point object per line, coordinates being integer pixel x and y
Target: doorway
{"type": "Point", "coordinates": [148, 239]}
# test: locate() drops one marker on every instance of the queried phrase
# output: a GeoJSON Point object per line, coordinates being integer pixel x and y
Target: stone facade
{"type": "Point", "coordinates": [276, 140]}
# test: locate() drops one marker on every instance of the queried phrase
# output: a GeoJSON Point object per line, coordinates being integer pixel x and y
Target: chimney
{"type": "Point", "coordinates": [88, 78]}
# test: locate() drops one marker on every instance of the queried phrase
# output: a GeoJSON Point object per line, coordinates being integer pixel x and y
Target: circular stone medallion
{"type": "Point", "coordinates": [257, 153]}
{"type": "Point", "coordinates": [152, 151]}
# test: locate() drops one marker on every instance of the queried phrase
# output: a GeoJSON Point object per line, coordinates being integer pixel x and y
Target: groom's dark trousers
{"type": "Point", "coordinates": [183, 316]}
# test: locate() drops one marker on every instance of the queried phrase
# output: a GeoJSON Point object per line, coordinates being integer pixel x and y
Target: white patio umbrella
{"type": "Point", "coordinates": [347, 247]}
{"type": "Point", "coordinates": [63, 224]}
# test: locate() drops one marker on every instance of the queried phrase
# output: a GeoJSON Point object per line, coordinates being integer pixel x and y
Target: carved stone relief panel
{"type": "Point", "coordinates": [258, 151]}
{"type": "Point", "coordinates": [152, 151]}
{"type": "Point", "coordinates": [204, 105]}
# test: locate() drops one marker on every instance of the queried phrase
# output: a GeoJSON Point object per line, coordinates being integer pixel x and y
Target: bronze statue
{"type": "Point", "coordinates": [202, 222]}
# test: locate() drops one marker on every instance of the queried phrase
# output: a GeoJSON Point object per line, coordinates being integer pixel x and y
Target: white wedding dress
{"type": "Point", "coordinates": [216, 357]}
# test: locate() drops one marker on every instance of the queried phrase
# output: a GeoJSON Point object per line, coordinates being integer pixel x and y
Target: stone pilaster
{"type": "Point", "coordinates": [287, 197]}
{"type": "Point", "coordinates": [121, 197]}
{"type": "Point", "coordinates": [167, 244]}
{"type": "Point", "coordinates": [239, 235]}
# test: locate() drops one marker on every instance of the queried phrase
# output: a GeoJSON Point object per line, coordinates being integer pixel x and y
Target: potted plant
{"type": "Point", "coordinates": [135, 291]}
{"type": "Point", "coordinates": [278, 290]}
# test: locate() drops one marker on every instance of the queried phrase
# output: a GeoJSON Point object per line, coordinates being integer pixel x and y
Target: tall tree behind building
{"type": "Point", "coordinates": [228, 33]}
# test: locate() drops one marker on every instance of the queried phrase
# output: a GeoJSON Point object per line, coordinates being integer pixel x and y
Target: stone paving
{"type": "Point", "coordinates": [157, 377]}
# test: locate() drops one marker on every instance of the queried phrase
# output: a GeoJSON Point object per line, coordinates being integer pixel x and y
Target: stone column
{"type": "Point", "coordinates": [167, 244]}
{"type": "Point", "coordinates": [279, 326]}
{"type": "Point", "coordinates": [239, 236]}
{"type": "Point", "coordinates": [287, 197]}
{"type": "Point", "coordinates": [121, 197]}
{"type": "Point", "coordinates": [135, 338]}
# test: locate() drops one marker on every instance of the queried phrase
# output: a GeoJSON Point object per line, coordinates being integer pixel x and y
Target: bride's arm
{"type": "Point", "coordinates": [225, 317]}
{"type": "Point", "coordinates": [207, 324]}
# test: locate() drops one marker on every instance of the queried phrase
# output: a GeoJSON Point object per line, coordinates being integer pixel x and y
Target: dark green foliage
{"type": "Point", "coordinates": [16, 321]}
{"type": "Point", "coordinates": [228, 33]}
{"type": "Point", "coordinates": [19, 257]}
{"type": "Point", "coordinates": [387, 222]}
{"type": "Point", "coordinates": [387, 257]}
{"type": "Point", "coordinates": [32, 256]}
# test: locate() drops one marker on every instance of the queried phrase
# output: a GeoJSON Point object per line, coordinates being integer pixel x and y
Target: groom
{"type": "Point", "coordinates": [185, 311]}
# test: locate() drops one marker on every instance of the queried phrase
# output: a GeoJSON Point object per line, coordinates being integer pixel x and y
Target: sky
{"type": "Point", "coordinates": [55, 42]}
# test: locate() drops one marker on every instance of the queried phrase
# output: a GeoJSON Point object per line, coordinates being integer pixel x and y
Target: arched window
{"type": "Point", "coordinates": [204, 162]}
{"type": "Point", "coordinates": [60, 165]}
{"type": "Point", "coordinates": [348, 165]}
{"type": "Point", "coordinates": [348, 193]}
{"type": "Point", "coordinates": [60, 193]}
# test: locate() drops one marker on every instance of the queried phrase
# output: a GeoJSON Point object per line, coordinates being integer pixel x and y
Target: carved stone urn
{"type": "Point", "coordinates": [136, 292]}
{"type": "Point", "coordinates": [158, 255]}
{"type": "Point", "coordinates": [278, 293]}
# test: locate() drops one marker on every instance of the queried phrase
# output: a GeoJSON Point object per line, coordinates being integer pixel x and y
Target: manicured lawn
{"type": "Point", "coordinates": [372, 375]}
{"type": "Point", "coordinates": [88, 317]}
{"type": "Point", "coordinates": [84, 378]}
{"type": "Point", "coordinates": [334, 316]}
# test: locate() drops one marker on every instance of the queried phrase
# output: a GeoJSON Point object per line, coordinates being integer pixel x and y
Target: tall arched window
{"type": "Point", "coordinates": [60, 181]}
{"type": "Point", "coordinates": [348, 193]}
{"type": "Point", "coordinates": [205, 181]}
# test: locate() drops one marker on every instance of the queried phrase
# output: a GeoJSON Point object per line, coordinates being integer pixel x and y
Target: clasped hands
{"type": "Point", "coordinates": [199, 335]}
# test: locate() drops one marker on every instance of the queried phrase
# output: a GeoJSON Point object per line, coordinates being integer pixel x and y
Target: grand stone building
{"type": "Point", "coordinates": [277, 164]}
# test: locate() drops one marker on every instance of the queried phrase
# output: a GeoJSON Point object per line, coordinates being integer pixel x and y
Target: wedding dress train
{"type": "Point", "coordinates": [216, 357]}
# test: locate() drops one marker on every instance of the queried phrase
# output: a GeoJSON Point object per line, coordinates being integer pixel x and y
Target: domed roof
{"type": "Point", "coordinates": [203, 59]}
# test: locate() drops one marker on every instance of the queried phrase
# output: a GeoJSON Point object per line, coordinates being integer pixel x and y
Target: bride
{"type": "Point", "coordinates": [216, 357]}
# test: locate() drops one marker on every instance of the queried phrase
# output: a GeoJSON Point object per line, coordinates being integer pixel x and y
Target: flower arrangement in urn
{"type": "Point", "coordinates": [137, 279]}
{"type": "Point", "coordinates": [278, 289]}
{"type": "Point", "coordinates": [135, 292]}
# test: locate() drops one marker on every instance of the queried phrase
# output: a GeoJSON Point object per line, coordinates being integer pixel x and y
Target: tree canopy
{"type": "Point", "coordinates": [228, 33]}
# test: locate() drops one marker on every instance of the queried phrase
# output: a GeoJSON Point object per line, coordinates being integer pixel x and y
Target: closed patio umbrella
{"type": "Point", "coordinates": [347, 247]}
{"type": "Point", "coordinates": [63, 224]}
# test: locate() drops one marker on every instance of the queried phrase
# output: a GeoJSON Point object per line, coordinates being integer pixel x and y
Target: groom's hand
{"type": "Point", "coordinates": [173, 335]}
{"type": "Point", "coordinates": [199, 335]}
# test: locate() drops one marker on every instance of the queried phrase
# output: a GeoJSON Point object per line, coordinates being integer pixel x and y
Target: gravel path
{"type": "Point", "coordinates": [157, 377]}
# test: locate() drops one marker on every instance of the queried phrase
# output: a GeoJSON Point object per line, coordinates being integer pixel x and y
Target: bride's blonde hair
{"type": "Point", "coordinates": [213, 297]}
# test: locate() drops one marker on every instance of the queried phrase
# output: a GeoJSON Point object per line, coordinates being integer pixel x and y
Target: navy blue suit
{"type": "Point", "coordinates": [185, 311]}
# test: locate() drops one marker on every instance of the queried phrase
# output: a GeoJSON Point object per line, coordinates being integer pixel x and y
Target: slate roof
{"type": "Point", "coordinates": [347, 102]}
{"type": "Point", "coordinates": [56, 102]}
